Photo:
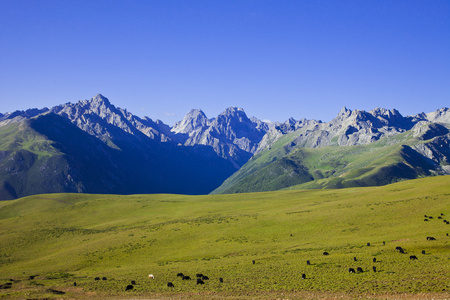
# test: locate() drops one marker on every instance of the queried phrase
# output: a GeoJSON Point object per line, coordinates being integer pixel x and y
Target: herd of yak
{"type": "Point", "coordinates": [200, 278]}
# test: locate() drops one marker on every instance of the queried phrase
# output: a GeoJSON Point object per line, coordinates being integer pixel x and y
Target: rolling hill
{"type": "Point", "coordinates": [258, 243]}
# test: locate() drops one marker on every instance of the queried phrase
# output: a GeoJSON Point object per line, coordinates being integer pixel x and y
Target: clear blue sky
{"type": "Point", "coordinates": [276, 59]}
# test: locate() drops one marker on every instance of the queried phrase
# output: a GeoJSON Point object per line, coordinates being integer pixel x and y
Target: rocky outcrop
{"type": "Point", "coordinates": [20, 115]}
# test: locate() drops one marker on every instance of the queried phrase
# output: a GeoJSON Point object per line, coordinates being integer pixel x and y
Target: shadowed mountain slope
{"type": "Point", "coordinates": [50, 154]}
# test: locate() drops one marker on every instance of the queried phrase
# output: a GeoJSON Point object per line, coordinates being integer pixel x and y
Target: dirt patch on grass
{"type": "Point", "coordinates": [401, 240]}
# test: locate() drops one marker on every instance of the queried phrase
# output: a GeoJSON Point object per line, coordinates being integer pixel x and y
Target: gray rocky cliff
{"type": "Point", "coordinates": [232, 134]}
{"type": "Point", "coordinates": [100, 118]}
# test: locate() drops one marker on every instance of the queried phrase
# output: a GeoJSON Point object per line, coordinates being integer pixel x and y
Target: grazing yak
{"type": "Point", "coordinates": [359, 270]}
{"type": "Point", "coordinates": [5, 286]}
{"type": "Point", "coordinates": [351, 270]}
{"type": "Point", "coordinates": [129, 287]}
{"type": "Point", "coordinates": [186, 277]}
{"type": "Point", "coordinates": [400, 249]}
{"type": "Point", "coordinates": [170, 284]}
{"type": "Point", "coordinates": [56, 292]}
{"type": "Point", "coordinates": [374, 269]}
{"type": "Point", "coordinates": [374, 259]}
{"type": "Point", "coordinates": [413, 257]}
{"type": "Point", "coordinates": [151, 276]}
{"type": "Point", "coordinates": [303, 276]}
{"type": "Point", "coordinates": [221, 280]}
{"type": "Point", "coordinates": [180, 275]}
{"type": "Point", "coordinates": [199, 281]}
{"type": "Point", "coordinates": [326, 253]}
{"type": "Point", "coordinates": [430, 238]}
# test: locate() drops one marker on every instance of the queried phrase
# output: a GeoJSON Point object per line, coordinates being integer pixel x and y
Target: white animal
{"type": "Point", "coordinates": [151, 276]}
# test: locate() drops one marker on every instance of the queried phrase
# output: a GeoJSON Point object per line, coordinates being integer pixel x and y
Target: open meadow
{"type": "Point", "coordinates": [249, 246]}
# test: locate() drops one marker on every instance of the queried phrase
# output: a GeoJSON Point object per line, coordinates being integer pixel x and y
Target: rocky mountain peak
{"type": "Point", "coordinates": [100, 105]}
{"type": "Point", "coordinates": [232, 123]}
{"type": "Point", "coordinates": [234, 113]}
{"type": "Point", "coordinates": [344, 112]}
{"type": "Point", "coordinates": [290, 121]}
{"type": "Point", "coordinates": [379, 111]}
{"type": "Point", "coordinates": [100, 98]}
{"type": "Point", "coordinates": [389, 116]}
{"type": "Point", "coordinates": [192, 121]}
{"type": "Point", "coordinates": [441, 115]}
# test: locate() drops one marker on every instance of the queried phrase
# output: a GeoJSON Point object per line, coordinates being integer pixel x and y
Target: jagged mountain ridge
{"type": "Point", "coordinates": [232, 135]}
{"type": "Point", "coordinates": [232, 131]}
{"type": "Point", "coordinates": [230, 139]}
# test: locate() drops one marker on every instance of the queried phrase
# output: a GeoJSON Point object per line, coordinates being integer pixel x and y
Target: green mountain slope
{"type": "Point", "coordinates": [65, 238]}
{"type": "Point", "coordinates": [385, 161]}
{"type": "Point", "coordinates": [29, 162]}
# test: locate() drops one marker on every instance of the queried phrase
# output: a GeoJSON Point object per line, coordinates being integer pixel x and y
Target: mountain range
{"type": "Point", "coordinates": [91, 146]}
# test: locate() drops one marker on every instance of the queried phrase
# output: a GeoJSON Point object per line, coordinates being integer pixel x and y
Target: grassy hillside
{"type": "Point", "coordinates": [279, 149]}
{"type": "Point", "coordinates": [65, 238]}
{"type": "Point", "coordinates": [29, 162]}
{"type": "Point", "coordinates": [388, 160]}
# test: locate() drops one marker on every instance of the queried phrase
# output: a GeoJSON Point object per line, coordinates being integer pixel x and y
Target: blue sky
{"type": "Point", "coordinates": [276, 59]}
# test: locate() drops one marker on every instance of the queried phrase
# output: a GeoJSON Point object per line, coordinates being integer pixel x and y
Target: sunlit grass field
{"type": "Point", "coordinates": [258, 243]}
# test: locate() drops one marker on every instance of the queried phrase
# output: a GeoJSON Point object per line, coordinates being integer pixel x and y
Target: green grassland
{"type": "Point", "coordinates": [65, 238]}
